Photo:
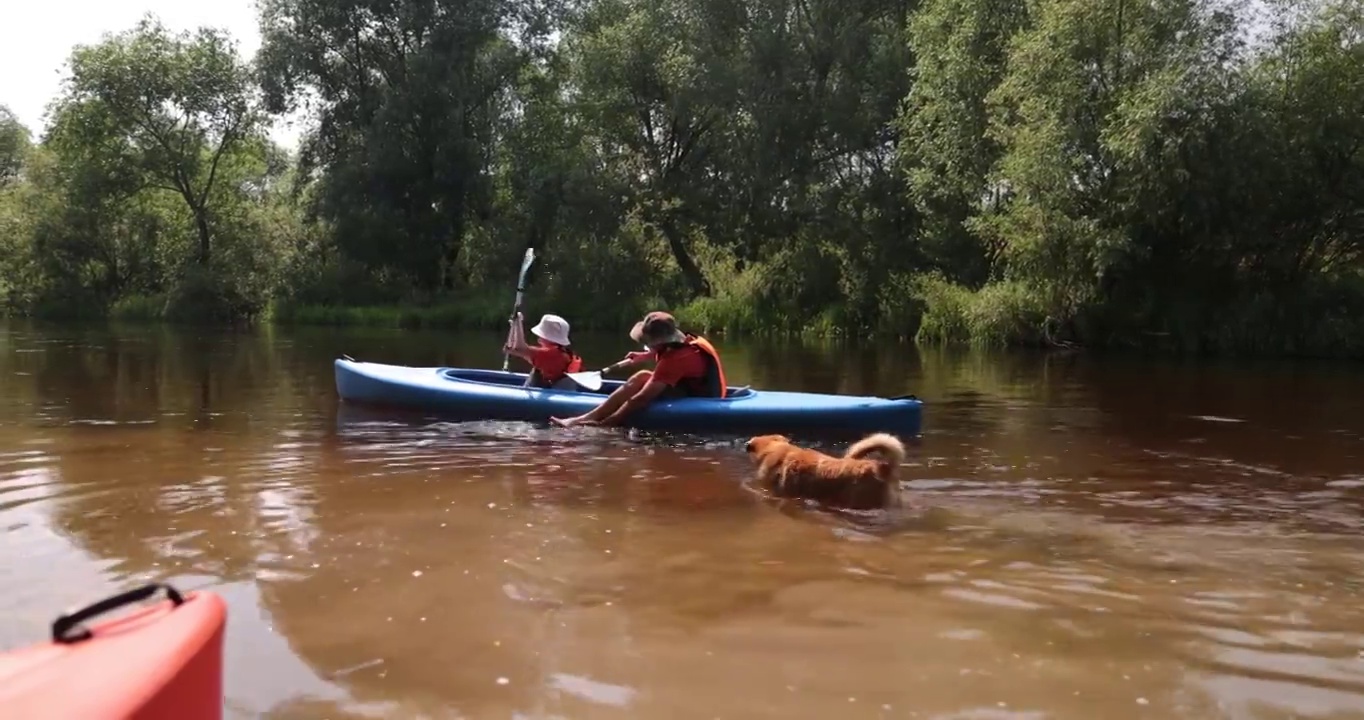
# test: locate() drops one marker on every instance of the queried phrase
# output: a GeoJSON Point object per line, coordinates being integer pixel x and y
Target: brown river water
{"type": "Point", "coordinates": [1086, 538]}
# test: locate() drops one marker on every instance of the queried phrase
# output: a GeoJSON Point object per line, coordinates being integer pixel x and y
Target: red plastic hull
{"type": "Point", "coordinates": [161, 662]}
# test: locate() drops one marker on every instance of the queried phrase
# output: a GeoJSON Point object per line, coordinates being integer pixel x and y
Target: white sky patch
{"type": "Point", "coordinates": [37, 36]}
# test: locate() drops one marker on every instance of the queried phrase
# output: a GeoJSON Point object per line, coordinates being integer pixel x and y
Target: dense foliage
{"type": "Point", "coordinates": [1175, 174]}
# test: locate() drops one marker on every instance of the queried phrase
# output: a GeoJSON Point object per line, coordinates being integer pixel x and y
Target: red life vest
{"type": "Point", "coordinates": [575, 364]}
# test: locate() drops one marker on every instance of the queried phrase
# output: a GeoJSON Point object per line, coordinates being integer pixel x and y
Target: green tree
{"type": "Point", "coordinates": [1091, 88]}
{"type": "Point", "coordinates": [16, 152]}
{"type": "Point", "coordinates": [657, 85]}
{"type": "Point", "coordinates": [166, 108]}
{"type": "Point", "coordinates": [407, 98]}
{"type": "Point", "coordinates": [947, 151]}
{"type": "Point", "coordinates": [15, 143]}
{"type": "Point", "coordinates": [1107, 172]}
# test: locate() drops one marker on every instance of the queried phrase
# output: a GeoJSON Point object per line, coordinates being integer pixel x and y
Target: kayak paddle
{"type": "Point", "coordinates": [520, 291]}
{"type": "Point", "coordinates": [591, 380]}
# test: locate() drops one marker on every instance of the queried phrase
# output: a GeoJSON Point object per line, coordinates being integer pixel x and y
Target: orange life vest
{"type": "Point", "coordinates": [575, 364]}
{"type": "Point", "coordinates": [713, 383]}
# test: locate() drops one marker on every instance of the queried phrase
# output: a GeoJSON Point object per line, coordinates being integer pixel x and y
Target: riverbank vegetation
{"type": "Point", "coordinates": [1183, 175]}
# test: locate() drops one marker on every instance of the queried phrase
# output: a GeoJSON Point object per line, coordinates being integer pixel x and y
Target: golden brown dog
{"type": "Point", "coordinates": [854, 481]}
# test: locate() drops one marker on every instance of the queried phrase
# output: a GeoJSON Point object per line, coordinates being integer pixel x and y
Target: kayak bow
{"type": "Point", "coordinates": [163, 662]}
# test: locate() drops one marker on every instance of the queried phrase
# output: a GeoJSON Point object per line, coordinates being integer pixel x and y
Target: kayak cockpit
{"type": "Point", "coordinates": [514, 379]}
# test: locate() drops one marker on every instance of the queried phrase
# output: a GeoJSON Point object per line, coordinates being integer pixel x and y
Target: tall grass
{"type": "Point", "coordinates": [764, 299]}
{"type": "Point", "coordinates": [474, 313]}
{"type": "Point", "coordinates": [139, 308]}
{"type": "Point", "coordinates": [1000, 313]}
{"type": "Point", "coordinates": [1324, 319]}
{"type": "Point", "coordinates": [480, 311]}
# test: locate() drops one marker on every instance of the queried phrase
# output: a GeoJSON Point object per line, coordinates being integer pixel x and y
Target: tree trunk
{"type": "Point", "coordinates": [201, 224]}
{"type": "Point", "coordinates": [448, 266]}
{"type": "Point", "coordinates": [695, 279]}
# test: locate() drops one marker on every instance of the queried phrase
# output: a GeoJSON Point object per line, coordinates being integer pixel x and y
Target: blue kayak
{"type": "Point", "coordinates": [496, 395]}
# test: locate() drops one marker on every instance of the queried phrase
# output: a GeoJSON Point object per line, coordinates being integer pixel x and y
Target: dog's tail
{"type": "Point", "coordinates": [888, 445]}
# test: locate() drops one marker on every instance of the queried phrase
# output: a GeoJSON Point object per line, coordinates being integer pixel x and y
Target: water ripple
{"type": "Point", "coordinates": [1067, 550]}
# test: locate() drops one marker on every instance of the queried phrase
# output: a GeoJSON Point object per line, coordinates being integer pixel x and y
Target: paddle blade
{"type": "Point", "coordinates": [590, 381]}
{"type": "Point", "coordinates": [525, 263]}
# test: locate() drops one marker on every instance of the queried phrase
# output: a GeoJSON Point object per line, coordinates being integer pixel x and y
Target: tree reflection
{"type": "Point", "coordinates": [157, 450]}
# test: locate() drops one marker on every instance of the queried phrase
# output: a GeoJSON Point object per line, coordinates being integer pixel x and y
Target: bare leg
{"type": "Point", "coordinates": [612, 402]}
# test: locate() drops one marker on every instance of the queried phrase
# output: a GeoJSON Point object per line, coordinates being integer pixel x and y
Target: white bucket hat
{"type": "Point", "coordinates": [552, 328]}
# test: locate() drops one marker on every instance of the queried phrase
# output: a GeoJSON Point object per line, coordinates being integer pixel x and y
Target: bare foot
{"type": "Point", "coordinates": [564, 422]}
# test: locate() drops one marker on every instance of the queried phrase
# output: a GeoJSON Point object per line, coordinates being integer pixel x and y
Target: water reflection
{"type": "Point", "coordinates": [1090, 537]}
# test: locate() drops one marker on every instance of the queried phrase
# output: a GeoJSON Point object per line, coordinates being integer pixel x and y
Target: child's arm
{"type": "Point", "coordinates": [516, 340]}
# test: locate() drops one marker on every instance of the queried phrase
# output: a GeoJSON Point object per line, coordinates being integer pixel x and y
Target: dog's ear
{"type": "Point", "coordinates": [758, 442]}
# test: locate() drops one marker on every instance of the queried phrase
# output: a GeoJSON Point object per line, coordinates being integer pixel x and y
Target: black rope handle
{"type": "Point", "coordinates": [903, 397]}
{"type": "Point", "coordinates": [67, 629]}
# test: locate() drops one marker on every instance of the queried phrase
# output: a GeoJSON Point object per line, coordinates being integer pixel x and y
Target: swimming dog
{"type": "Point", "coordinates": [854, 481]}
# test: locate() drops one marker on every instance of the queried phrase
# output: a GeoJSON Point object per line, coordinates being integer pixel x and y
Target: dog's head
{"type": "Point", "coordinates": [760, 444]}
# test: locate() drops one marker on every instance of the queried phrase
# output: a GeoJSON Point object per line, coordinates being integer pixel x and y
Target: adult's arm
{"type": "Point", "coordinates": [636, 358]}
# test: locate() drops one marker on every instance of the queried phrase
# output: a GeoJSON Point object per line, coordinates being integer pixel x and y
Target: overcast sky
{"type": "Point", "coordinates": [36, 37]}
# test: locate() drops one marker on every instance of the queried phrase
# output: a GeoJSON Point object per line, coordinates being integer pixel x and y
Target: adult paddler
{"type": "Point", "coordinates": [686, 365]}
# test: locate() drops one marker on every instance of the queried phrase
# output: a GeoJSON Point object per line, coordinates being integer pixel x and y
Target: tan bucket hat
{"type": "Point", "coordinates": [657, 328]}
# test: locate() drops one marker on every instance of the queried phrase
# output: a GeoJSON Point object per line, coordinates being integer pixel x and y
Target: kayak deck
{"type": "Point", "coordinates": [495, 395]}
